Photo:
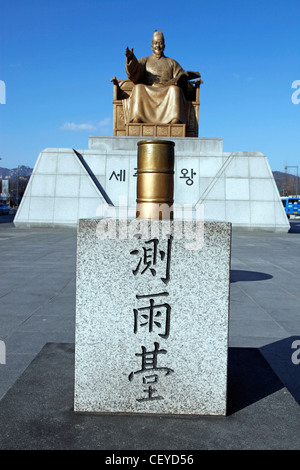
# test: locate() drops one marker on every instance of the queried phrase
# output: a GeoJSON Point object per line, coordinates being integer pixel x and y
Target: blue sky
{"type": "Point", "coordinates": [57, 58]}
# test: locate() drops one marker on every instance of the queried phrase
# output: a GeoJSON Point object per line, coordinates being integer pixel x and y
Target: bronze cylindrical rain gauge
{"type": "Point", "coordinates": [155, 179]}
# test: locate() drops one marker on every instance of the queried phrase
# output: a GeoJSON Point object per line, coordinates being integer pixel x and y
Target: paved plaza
{"type": "Point", "coordinates": [37, 323]}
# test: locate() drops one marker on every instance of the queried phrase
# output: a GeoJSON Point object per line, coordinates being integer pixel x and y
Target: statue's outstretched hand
{"type": "Point", "coordinates": [129, 53]}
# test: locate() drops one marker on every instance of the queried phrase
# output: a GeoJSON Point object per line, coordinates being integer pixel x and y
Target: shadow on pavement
{"type": "Point", "coordinates": [295, 226]}
{"type": "Point", "coordinates": [250, 378]}
{"type": "Point", "coordinates": [255, 373]}
{"type": "Point", "coordinates": [240, 275]}
{"type": "Point", "coordinates": [7, 219]}
{"type": "Point", "coordinates": [284, 358]}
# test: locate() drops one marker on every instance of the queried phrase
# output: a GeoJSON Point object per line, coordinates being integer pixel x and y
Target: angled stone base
{"type": "Point", "coordinates": [236, 187]}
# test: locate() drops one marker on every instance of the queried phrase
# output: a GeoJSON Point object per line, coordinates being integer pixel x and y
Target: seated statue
{"type": "Point", "coordinates": [160, 87]}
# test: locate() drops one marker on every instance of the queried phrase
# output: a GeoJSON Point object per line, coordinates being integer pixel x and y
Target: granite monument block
{"type": "Point", "coordinates": [152, 307]}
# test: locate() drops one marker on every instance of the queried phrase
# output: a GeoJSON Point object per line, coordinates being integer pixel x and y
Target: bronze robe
{"type": "Point", "coordinates": [155, 98]}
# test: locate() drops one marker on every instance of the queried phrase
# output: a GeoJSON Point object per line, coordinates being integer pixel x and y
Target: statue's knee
{"type": "Point", "coordinates": [138, 89]}
{"type": "Point", "coordinates": [175, 90]}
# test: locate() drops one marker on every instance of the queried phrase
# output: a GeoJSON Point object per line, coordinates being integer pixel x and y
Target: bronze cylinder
{"type": "Point", "coordinates": [155, 179]}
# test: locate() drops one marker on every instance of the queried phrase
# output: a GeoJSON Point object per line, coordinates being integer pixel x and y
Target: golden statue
{"type": "Point", "coordinates": [160, 91]}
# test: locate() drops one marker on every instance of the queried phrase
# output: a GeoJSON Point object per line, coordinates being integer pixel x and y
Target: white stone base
{"type": "Point", "coordinates": [152, 337]}
{"type": "Point", "coordinates": [236, 187]}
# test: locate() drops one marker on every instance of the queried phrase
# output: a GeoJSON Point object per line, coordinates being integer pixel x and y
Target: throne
{"type": "Point", "coordinates": [122, 91]}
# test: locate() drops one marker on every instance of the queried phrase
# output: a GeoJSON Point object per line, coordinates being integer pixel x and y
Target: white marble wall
{"type": "Point", "coordinates": [237, 187]}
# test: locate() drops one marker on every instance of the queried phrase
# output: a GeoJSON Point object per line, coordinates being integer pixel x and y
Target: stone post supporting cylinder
{"type": "Point", "coordinates": [155, 180]}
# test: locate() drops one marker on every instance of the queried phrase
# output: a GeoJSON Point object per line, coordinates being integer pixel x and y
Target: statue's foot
{"type": "Point", "coordinates": [136, 120]}
{"type": "Point", "coordinates": [175, 121]}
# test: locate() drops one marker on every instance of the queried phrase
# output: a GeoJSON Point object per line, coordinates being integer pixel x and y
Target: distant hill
{"type": "Point", "coordinates": [23, 171]}
{"type": "Point", "coordinates": [286, 183]}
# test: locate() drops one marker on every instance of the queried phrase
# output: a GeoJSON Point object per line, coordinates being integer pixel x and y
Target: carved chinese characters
{"type": "Point", "coordinates": [153, 314]}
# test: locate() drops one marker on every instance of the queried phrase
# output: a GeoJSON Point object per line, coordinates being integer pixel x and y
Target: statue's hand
{"type": "Point", "coordinates": [129, 53]}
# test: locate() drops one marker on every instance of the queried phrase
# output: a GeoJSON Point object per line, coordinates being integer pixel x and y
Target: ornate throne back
{"type": "Point", "coordinates": [122, 91]}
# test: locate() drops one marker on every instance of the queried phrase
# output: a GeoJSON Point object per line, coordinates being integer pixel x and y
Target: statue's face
{"type": "Point", "coordinates": [158, 45]}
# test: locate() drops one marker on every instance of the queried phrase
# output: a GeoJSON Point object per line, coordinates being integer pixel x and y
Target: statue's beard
{"type": "Point", "coordinates": [158, 53]}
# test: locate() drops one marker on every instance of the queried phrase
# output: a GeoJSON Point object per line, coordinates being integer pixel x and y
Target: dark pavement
{"type": "Point", "coordinates": [37, 325]}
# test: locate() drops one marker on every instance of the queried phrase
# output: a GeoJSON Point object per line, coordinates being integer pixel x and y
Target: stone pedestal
{"type": "Point", "coordinates": [152, 307]}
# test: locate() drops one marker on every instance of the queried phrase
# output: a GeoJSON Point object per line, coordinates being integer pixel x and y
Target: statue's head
{"type": "Point", "coordinates": [158, 43]}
